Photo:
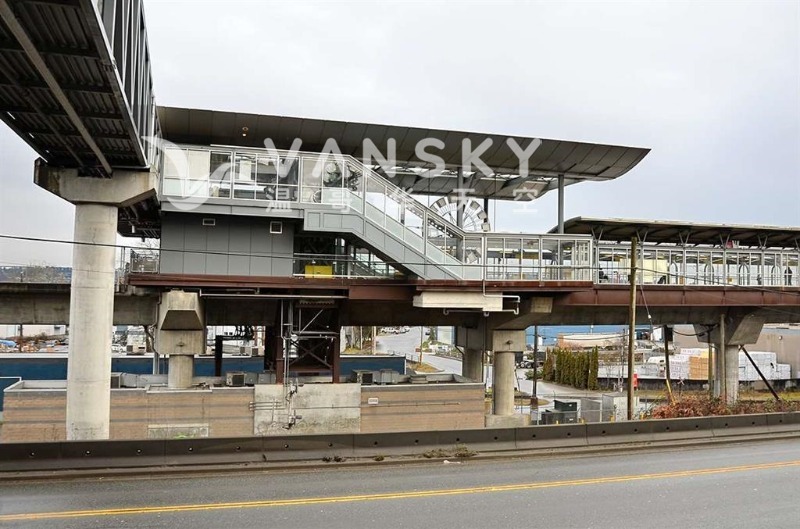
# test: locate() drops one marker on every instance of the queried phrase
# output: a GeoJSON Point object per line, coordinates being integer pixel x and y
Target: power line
{"type": "Point", "coordinates": [708, 281]}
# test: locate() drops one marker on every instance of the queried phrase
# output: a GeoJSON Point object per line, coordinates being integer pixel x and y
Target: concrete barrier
{"type": "Point", "coordinates": [728, 425]}
{"type": "Point", "coordinates": [684, 428]}
{"type": "Point", "coordinates": [18, 457]}
{"type": "Point", "coordinates": [484, 439]}
{"type": "Point", "coordinates": [92, 454]}
{"type": "Point", "coordinates": [298, 447]}
{"type": "Point", "coordinates": [607, 433]}
{"type": "Point", "coordinates": [551, 436]}
{"type": "Point", "coordinates": [223, 450]}
{"type": "Point", "coordinates": [783, 422]}
{"type": "Point", "coordinates": [395, 443]}
{"type": "Point", "coordinates": [29, 456]}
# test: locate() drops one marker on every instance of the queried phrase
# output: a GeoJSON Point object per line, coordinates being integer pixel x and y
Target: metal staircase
{"type": "Point", "coordinates": [337, 194]}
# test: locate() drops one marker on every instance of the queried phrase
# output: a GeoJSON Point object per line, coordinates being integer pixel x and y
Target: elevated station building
{"type": "Point", "coordinates": [303, 237]}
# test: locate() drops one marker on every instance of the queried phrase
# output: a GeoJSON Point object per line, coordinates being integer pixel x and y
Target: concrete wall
{"type": "Point", "coordinates": [35, 410]}
{"type": "Point", "coordinates": [40, 415]}
{"type": "Point", "coordinates": [323, 408]}
{"type": "Point", "coordinates": [232, 246]}
{"type": "Point", "coordinates": [423, 407]}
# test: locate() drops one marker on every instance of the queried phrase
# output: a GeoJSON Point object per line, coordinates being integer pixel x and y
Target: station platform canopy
{"type": "Point", "coordinates": [685, 233]}
{"type": "Point", "coordinates": [576, 161]}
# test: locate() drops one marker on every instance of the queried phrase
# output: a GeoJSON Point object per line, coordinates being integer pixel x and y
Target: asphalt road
{"type": "Point", "coordinates": [724, 486]}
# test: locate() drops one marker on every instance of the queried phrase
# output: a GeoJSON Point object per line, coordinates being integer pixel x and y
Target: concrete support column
{"type": "Point", "coordinates": [735, 328]}
{"type": "Point", "coordinates": [505, 345]}
{"type": "Point", "coordinates": [503, 383]}
{"type": "Point", "coordinates": [472, 365]}
{"type": "Point", "coordinates": [90, 322]}
{"type": "Point", "coordinates": [181, 334]}
{"type": "Point", "coordinates": [92, 294]}
{"type": "Point", "coordinates": [731, 373]}
{"type": "Point", "coordinates": [181, 370]}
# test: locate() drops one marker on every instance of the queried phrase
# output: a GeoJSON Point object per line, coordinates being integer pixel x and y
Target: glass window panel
{"type": "Point", "coordinates": [221, 169]}
{"type": "Point", "coordinates": [266, 170]}
{"type": "Point", "coordinates": [376, 193]}
{"type": "Point", "coordinates": [355, 179]}
{"type": "Point", "coordinates": [199, 164]}
{"type": "Point", "coordinates": [288, 171]}
{"type": "Point", "coordinates": [175, 163]}
{"type": "Point", "coordinates": [173, 187]}
{"type": "Point", "coordinates": [332, 173]}
{"type": "Point", "coordinates": [245, 167]}
{"type": "Point", "coordinates": [311, 190]}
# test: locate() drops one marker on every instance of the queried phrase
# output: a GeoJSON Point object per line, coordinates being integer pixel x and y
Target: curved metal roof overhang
{"type": "Point", "coordinates": [576, 161]}
{"type": "Point", "coordinates": [686, 233]}
{"type": "Point", "coordinates": [76, 86]}
{"type": "Point", "coordinates": [60, 87]}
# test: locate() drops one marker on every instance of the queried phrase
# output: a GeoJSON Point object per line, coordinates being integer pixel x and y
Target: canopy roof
{"type": "Point", "coordinates": [576, 161]}
{"type": "Point", "coordinates": [657, 231]}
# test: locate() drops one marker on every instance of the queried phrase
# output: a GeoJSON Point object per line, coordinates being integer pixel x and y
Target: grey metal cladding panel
{"type": "Point", "coordinates": [217, 236]}
{"type": "Point", "coordinates": [194, 263]}
{"type": "Point", "coordinates": [283, 243]}
{"type": "Point", "coordinates": [282, 266]}
{"type": "Point", "coordinates": [172, 232]}
{"type": "Point", "coordinates": [313, 220]}
{"type": "Point", "coordinates": [260, 266]}
{"type": "Point", "coordinates": [241, 265]}
{"type": "Point", "coordinates": [374, 236]}
{"type": "Point", "coordinates": [353, 223]}
{"type": "Point", "coordinates": [332, 221]}
{"type": "Point", "coordinates": [394, 247]}
{"type": "Point", "coordinates": [216, 263]}
{"type": "Point", "coordinates": [240, 238]}
{"type": "Point", "coordinates": [195, 234]}
{"type": "Point", "coordinates": [260, 243]}
{"type": "Point", "coordinates": [171, 262]}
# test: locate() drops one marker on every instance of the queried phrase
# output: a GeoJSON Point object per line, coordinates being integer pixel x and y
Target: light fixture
{"type": "Point", "coordinates": [244, 131]}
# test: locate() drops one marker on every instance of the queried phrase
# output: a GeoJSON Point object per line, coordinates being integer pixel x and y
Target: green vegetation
{"type": "Point", "coordinates": [577, 369]}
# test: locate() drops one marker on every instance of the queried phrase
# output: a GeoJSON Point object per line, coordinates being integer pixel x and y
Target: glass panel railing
{"type": "Point", "coordinates": [344, 182]}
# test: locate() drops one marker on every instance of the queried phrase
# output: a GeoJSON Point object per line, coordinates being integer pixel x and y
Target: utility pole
{"type": "Point", "coordinates": [534, 395]}
{"type": "Point", "coordinates": [421, 333]}
{"type": "Point", "coordinates": [667, 332]}
{"type": "Point", "coordinates": [632, 325]}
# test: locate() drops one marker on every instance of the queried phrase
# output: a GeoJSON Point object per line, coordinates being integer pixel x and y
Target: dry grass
{"type": "Point", "coordinates": [421, 368]}
{"type": "Point", "coordinates": [704, 406]}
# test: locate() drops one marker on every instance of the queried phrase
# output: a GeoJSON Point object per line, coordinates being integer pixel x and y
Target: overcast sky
{"type": "Point", "coordinates": [712, 88]}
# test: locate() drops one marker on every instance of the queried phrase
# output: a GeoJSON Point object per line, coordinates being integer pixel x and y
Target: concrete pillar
{"type": "Point", "coordinates": [181, 370]}
{"type": "Point", "coordinates": [735, 328]}
{"type": "Point", "coordinates": [181, 334]}
{"type": "Point", "coordinates": [90, 322]}
{"type": "Point", "coordinates": [505, 345]}
{"type": "Point", "coordinates": [472, 365]}
{"type": "Point", "coordinates": [92, 294]}
{"type": "Point", "coordinates": [503, 383]}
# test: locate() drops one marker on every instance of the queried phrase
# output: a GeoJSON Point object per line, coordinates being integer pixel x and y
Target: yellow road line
{"type": "Point", "coordinates": [389, 495]}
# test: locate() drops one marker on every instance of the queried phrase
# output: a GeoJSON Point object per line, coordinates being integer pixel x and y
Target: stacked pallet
{"type": "Point", "coordinates": [767, 363]}
{"type": "Point", "coordinates": [679, 366]}
{"type": "Point", "coordinates": [698, 366]}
